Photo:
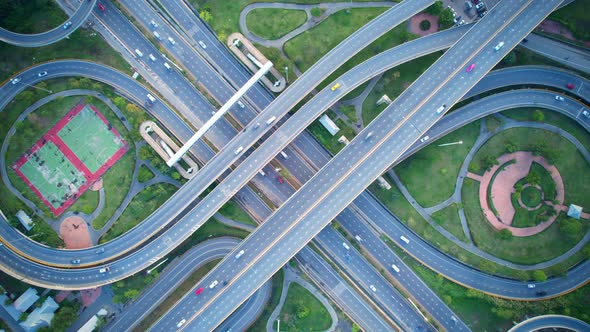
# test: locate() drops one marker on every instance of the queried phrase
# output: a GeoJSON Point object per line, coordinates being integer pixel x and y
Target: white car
{"type": "Point", "coordinates": [15, 80]}
{"type": "Point", "coordinates": [203, 45]}
{"type": "Point", "coordinates": [213, 284]}
{"type": "Point", "coordinates": [499, 46]}
{"type": "Point", "coordinates": [585, 113]}
{"type": "Point", "coordinates": [345, 246]}
{"type": "Point", "coordinates": [181, 323]}
{"type": "Point", "coordinates": [171, 40]}
{"type": "Point", "coordinates": [373, 288]}
{"type": "Point", "coordinates": [241, 104]}
{"type": "Point", "coordinates": [154, 24]}
{"type": "Point", "coordinates": [424, 139]}
{"type": "Point", "coordinates": [560, 98]}
{"type": "Point", "coordinates": [531, 285]}
{"type": "Point", "coordinates": [41, 74]}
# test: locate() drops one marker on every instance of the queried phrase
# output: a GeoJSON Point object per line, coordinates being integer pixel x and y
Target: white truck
{"type": "Point", "coordinates": [271, 120]}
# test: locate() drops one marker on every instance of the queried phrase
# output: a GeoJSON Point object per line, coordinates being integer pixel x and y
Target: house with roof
{"type": "Point", "coordinates": [26, 300]}
{"type": "Point", "coordinates": [40, 317]}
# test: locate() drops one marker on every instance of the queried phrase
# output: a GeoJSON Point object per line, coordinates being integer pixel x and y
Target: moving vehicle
{"type": "Point", "coordinates": [154, 24]}
{"type": "Point", "coordinates": [441, 108]}
{"type": "Point", "coordinates": [569, 86]}
{"type": "Point", "coordinates": [213, 284]}
{"type": "Point", "coordinates": [424, 139]}
{"type": "Point", "coordinates": [181, 323]}
{"type": "Point", "coordinates": [405, 239]}
{"type": "Point", "coordinates": [284, 155]}
{"type": "Point", "coordinates": [531, 285]}
{"type": "Point", "coordinates": [68, 25]}
{"type": "Point", "coordinates": [560, 98]}
{"type": "Point", "coordinates": [470, 68]}
{"type": "Point", "coordinates": [138, 52]}
{"type": "Point", "coordinates": [99, 251]}
{"type": "Point", "coordinates": [395, 268]}
{"type": "Point", "coordinates": [238, 150]}
{"type": "Point", "coordinates": [335, 86]}
{"type": "Point", "coordinates": [101, 7]}
{"type": "Point", "coordinates": [271, 120]}
{"type": "Point", "coordinates": [152, 57]}
{"type": "Point", "coordinates": [151, 98]}
{"type": "Point", "coordinates": [261, 172]}
{"type": "Point", "coordinates": [16, 80]}
{"type": "Point", "coordinates": [373, 288]}
{"type": "Point", "coordinates": [369, 135]}
{"type": "Point", "coordinates": [157, 35]}
{"type": "Point", "coordinates": [280, 179]}
{"type": "Point", "coordinates": [241, 104]}
{"type": "Point", "coordinates": [345, 246]}
{"type": "Point", "coordinates": [358, 238]}
{"type": "Point", "coordinates": [75, 261]}
{"type": "Point", "coordinates": [586, 114]}
{"type": "Point", "coordinates": [257, 125]}
{"type": "Point", "coordinates": [104, 269]}
{"type": "Point", "coordinates": [238, 255]}
{"type": "Point", "coordinates": [167, 66]}
{"type": "Point", "coordinates": [41, 74]}
{"type": "Point", "coordinates": [499, 46]}
{"type": "Point", "coordinates": [202, 44]}
{"type": "Point", "coordinates": [171, 40]}
{"type": "Point", "coordinates": [199, 290]}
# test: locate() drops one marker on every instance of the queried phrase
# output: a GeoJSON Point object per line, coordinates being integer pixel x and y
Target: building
{"type": "Point", "coordinates": [40, 317]}
{"type": "Point", "coordinates": [24, 219]}
{"type": "Point", "coordinates": [26, 300]}
{"type": "Point", "coordinates": [329, 125]}
{"type": "Point", "coordinates": [574, 211]}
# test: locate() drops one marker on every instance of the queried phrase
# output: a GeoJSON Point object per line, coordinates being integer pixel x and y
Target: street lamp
{"type": "Point", "coordinates": [36, 87]}
{"type": "Point", "coordinates": [287, 74]}
{"type": "Point", "coordinates": [452, 143]}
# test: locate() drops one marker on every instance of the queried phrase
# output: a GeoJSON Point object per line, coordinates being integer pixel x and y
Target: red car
{"type": "Point", "coordinates": [569, 86]}
{"type": "Point", "coordinates": [101, 7]}
{"type": "Point", "coordinates": [199, 291]}
{"type": "Point", "coordinates": [470, 68]}
{"type": "Point", "coordinates": [280, 179]}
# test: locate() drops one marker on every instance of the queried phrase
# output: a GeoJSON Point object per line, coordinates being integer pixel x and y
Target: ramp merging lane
{"type": "Point", "coordinates": [318, 190]}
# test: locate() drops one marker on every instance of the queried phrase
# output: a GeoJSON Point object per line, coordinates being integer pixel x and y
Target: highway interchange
{"type": "Point", "coordinates": [140, 95]}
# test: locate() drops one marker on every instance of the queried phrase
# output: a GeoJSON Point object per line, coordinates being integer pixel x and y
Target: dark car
{"type": "Point", "coordinates": [280, 179]}
{"type": "Point", "coordinates": [541, 293]}
{"type": "Point", "coordinates": [68, 25]}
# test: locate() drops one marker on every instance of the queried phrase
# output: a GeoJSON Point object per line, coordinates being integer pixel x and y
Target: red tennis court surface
{"type": "Point", "coordinates": [70, 157]}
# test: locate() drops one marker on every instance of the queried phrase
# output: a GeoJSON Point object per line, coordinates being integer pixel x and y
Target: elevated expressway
{"type": "Point", "coordinates": [51, 36]}
{"type": "Point", "coordinates": [171, 209]}
{"type": "Point", "coordinates": [551, 322]}
{"type": "Point", "coordinates": [265, 262]}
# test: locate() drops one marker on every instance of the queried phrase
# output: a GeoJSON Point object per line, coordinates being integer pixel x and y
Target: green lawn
{"type": "Point", "coordinates": [574, 170]}
{"type": "Point", "coordinates": [302, 311]}
{"type": "Point", "coordinates": [349, 111]}
{"type": "Point", "coordinates": [275, 297]}
{"type": "Point", "coordinates": [524, 250]}
{"type": "Point", "coordinates": [144, 174]}
{"type": "Point", "coordinates": [430, 175]}
{"type": "Point", "coordinates": [274, 23]}
{"type": "Point", "coordinates": [574, 17]}
{"type": "Point", "coordinates": [326, 139]}
{"type": "Point", "coordinates": [233, 211]}
{"type": "Point", "coordinates": [141, 206]}
{"type": "Point", "coordinates": [448, 218]}
{"type": "Point", "coordinates": [394, 82]}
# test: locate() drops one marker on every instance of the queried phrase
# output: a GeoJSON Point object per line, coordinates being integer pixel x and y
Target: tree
{"type": "Point", "coordinates": [505, 234]}
{"type": "Point", "coordinates": [131, 293]}
{"type": "Point", "coordinates": [488, 162]}
{"type": "Point", "coordinates": [435, 9]}
{"type": "Point", "coordinates": [316, 12]}
{"type": "Point", "coordinates": [511, 147]}
{"type": "Point", "coordinates": [205, 15]}
{"type": "Point", "coordinates": [570, 227]}
{"type": "Point", "coordinates": [533, 178]}
{"type": "Point", "coordinates": [445, 19]}
{"type": "Point", "coordinates": [539, 275]}
{"type": "Point", "coordinates": [538, 116]}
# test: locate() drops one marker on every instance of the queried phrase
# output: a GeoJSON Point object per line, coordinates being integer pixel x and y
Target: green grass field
{"type": "Point", "coordinates": [302, 311]}
{"type": "Point", "coordinates": [233, 211]}
{"type": "Point", "coordinates": [95, 152]}
{"type": "Point", "coordinates": [430, 175]}
{"type": "Point", "coordinates": [52, 174]}
{"type": "Point", "coordinates": [448, 218]}
{"type": "Point", "coordinates": [274, 23]}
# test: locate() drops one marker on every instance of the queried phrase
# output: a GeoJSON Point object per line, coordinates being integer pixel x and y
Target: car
{"type": "Point", "coordinates": [335, 87]}
{"type": "Point", "coordinates": [499, 46]}
{"type": "Point", "coordinates": [560, 98]}
{"type": "Point", "coordinates": [525, 40]}
{"type": "Point", "coordinates": [241, 104]}
{"type": "Point", "coordinates": [586, 114]}
{"type": "Point", "coordinates": [213, 284]}
{"type": "Point", "coordinates": [424, 139]}
{"type": "Point", "coordinates": [482, 14]}
{"type": "Point", "coordinates": [479, 6]}
{"type": "Point", "coordinates": [280, 179]}
{"type": "Point", "coordinates": [238, 255]}
{"type": "Point", "coordinates": [199, 290]}
{"type": "Point", "coordinates": [68, 25]}
{"type": "Point", "coordinates": [171, 40]}
{"type": "Point", "coordinates": [345, 246]}
{"type": "Point", "coordinates": [99, 251]}
{"type": "Point", "coordinates": [531, 285]}
{"type": "Point", "coordinates": [569, 86]}
{"type": "Point", "coordinates": [470, 68]}
{"type": "Point", "coordinates": [257, 125]}
{"type": "Point", "coordinates": [104, 269]}
{"type": "Point", "coordinates": [41, 74]}
{"type": "Point", "coordinates": [203, 45]}
{"type": "Point", "coordinates": [101, 7]}
{"type": "Point", "coordinates": [462, 22]}
{"type": "Point", "coordinates": [373, 288]}
{"type": "Point", "coordinates": [457, 19]}
{"type": "Point", "coordinates": [154, 24]}
{"type": "Point", "coordinates": [541, 293]}
{"type": "Point", "coordinates": [75, 261]}
{"type": "Point", "coordinates": [181, 323]}
{"type": "Point", "coordinates": [16, 80]}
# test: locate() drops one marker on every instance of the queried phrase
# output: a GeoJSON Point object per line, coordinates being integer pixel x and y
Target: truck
{"type": "Point", "coordinates": [271, 120]}
{"type": "Point", "coordinates": [395, 268]}
{"type": "Point", "coordinates": [405, 239]}
{"type": "Point", "coordinates": [167, 66]}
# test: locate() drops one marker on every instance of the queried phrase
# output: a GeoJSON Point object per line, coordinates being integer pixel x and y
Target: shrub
{"type": "Point", "coordinates": [425, 25]}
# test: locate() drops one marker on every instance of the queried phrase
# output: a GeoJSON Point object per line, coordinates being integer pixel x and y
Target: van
{"type": "Point", "coordinates": [151, 98]}
{"type": "Point", "coordinates": [284, 155]}
{"type": "Point", "coordinates": [138, 52]}
{"type": "Point", "coordinates": [271, 120]}
{"type": "Point", "coordinates": [238, 150]}
{"type": "Point", "coordinates": [152, 57]}
{"type": "Point", "coordinates": [167, 66]}
{"type": "Point", "coordinates": [395, 268]}
{"type": "Point", "coordinates": [238, 255]}
{"type": "Point", "coordinates": [345, 246]}
{"type": "Point", "coordinates": [405, 239]}
{"type": "Point", "coordinates": [157, 35]}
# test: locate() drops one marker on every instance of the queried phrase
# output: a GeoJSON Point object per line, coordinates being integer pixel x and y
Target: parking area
{"type": "Point", "coordinates": [466, 12]}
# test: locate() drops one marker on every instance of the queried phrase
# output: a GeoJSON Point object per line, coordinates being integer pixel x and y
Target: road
{"type": "Point", "coordinates": [551, 321]}
{"type": "Point", "coordinates": [299, 206]}
{"type": "Point", "coordinates": [51, 36]}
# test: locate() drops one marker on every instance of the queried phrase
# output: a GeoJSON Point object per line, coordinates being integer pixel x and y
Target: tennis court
{"type": "Point", "coordinates": [51, 175]}
{"type": "Point", "coordinates": [91, 138]}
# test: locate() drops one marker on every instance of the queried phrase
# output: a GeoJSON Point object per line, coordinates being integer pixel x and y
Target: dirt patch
{"type": "Point", "coordinates": [555, 28]}
{"type": "Point", "coordinates": [96, 186]}
{"type": "Point", "coordinates": [74, 232]}
{"type": "Point", "coordinates": [414, 24]}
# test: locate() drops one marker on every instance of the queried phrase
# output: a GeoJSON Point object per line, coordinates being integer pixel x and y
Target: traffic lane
{"type": "Point", "coordinates": [51, 36]}
{"type": "Point", "coordinates": [550, 321]}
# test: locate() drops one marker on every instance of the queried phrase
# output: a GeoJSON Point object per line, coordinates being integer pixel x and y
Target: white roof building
{"type": "Point", "coordinates": [26, 300]}
{"type": "Point", "coordinates": [329, 125]}
{"type": "Point", "coordinates": [24, 219]}
{"type": "Point", "coordinates": [40, 317]}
